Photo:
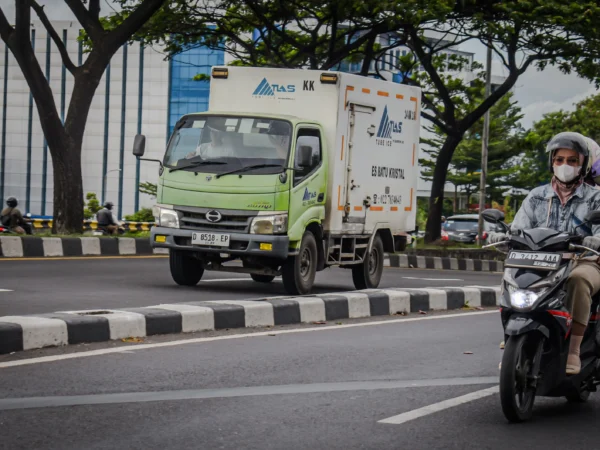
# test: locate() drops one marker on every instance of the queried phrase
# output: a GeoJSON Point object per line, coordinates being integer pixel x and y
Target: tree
{"type": "Point", "coordinates": [522, 35]}
{"type": "Point", "coordinates": [585, 119]}
{"type": "Point", "coordinates": [323, 35]}
{"type": "Point", "coordinates": [464, 170]}
{"type": "Point", "coordinates": [65, 140]}
{"type": "Point", "coordinates": [93, 206]}
{"type": "Point", "coordinates": [148, 188]}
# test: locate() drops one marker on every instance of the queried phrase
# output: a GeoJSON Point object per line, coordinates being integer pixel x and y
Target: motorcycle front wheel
{"type": "Point", "coordinates": [517, 380]}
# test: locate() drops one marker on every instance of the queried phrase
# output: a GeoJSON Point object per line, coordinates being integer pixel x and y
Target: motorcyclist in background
{"type": "Point", "coordinates": [12, 218]}
{"type": "Point", "coordinates": [562, 205]}
{"type": "Point", "coordinates": [106, 219]}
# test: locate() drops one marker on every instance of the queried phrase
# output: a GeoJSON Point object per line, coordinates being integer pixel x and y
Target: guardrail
{"type": "Point", "coordinates": [90, 225]}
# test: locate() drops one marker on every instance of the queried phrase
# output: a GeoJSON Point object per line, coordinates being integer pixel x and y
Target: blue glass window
{"type": "Point", "coordinates": [189, 96]}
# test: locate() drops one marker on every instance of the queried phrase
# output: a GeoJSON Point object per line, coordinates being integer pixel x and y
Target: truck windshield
{"type": "Point", "coordinates": [236, 142]}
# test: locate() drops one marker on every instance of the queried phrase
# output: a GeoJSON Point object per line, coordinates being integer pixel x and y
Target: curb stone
{"type": "Point", "coordinates": [36, 247]}
{"type": "Point", "coordinates": [28, 332]}
{"type": "Point", "coordinates": [42, 247]}
{"type": "Point", "coordinates": [403, 261]}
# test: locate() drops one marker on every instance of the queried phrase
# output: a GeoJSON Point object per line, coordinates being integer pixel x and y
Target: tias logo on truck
{"type": "Point", "coordinates": [388, 127]}
{"type": "Point", "coordinates": [266, 89]}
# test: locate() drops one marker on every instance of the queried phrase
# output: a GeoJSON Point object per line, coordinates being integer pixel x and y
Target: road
{"type": "Point", "coordinates": [286, 388]}
{"type": "Point", "coordinates": [41, 286]}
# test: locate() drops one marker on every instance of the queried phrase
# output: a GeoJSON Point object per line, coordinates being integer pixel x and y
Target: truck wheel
{"type": "Point", "coordinates": [262, 278]}
{"type": "Point", "coordinates": [299, 271]}
{"type": "Point", "coordinates": [185, 269]}
{"type": "Point", "coordinates": [367, 275]}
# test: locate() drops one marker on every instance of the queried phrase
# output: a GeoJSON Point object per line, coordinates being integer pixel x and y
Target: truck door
{"type": "Point", "coordinates": [310, 177]}
{"type": "Point", "coordinates": [358, 163]}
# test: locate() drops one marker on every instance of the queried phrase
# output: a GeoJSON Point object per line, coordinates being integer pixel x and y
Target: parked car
{"type": "Point", "coordinates": [465, 227]}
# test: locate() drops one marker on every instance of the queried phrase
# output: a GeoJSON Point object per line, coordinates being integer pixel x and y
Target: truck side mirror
{"type": "Point", "coordinates": [305, 155]}
{"type": "Point", "coordinates": [139, 145]}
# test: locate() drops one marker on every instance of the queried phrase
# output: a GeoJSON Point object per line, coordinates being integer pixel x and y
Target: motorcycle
{"type": "Point", "coordinates": [4, 230]}
{"type": "Point", "coordinates": [536, 322]}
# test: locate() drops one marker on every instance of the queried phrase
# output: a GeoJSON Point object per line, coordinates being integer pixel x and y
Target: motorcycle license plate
{"type": "Point", "coordinates": [533, 260]}
{"type": "Point", "coordinates": [212, 239]}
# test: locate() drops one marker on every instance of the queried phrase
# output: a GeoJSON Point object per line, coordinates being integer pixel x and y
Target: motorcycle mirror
{"type": "Point", "coordinates": [593, 217]}
{"type": "Point", "coordinates": [493, 215]}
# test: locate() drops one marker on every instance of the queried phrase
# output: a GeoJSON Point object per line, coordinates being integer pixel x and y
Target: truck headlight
{"type": "Point", "coordinates": [275, 224]}
{"type": "Point", "coordinates": [165, 217]}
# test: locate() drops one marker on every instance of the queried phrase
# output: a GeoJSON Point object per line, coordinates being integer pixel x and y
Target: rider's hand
{"type": "Point", "coordinates": [592, 242]}
{"type": "Point", "coordinates": [497, 237]}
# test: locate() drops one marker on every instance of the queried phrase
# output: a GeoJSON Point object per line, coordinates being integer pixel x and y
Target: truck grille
{"type": "Point", "coordinates": [235, 221]}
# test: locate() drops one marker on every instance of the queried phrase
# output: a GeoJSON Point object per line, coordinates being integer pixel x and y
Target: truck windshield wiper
{"type": "Point", "coordinates": [197, 164]}
{"type": "Point", "coordinates": [253, 166]}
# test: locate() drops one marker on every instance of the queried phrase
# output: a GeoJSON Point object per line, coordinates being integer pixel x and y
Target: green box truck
{"type": "Point", "coordinates": [289, 172]}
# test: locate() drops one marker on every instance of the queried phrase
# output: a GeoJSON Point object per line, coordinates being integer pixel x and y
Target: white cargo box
{"type": "Point", "coordinates": [372, 132]}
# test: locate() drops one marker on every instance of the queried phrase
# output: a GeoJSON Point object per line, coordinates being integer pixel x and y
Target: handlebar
{"type": "Point", "coordinates": [581, 247]}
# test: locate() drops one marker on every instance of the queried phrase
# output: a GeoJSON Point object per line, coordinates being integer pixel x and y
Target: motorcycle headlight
{"type": "Point", "coordinates": [275, 224]}
{"type": "Point", "coordinates": [165, 217]}
{"type": "Point", "coordinates": [523, 299]}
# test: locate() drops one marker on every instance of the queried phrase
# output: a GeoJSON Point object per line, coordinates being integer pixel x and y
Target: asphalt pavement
{"type": "Point", "coordinates": [41, 286]}
{"type": "Point", "coordinates": [411, 383]}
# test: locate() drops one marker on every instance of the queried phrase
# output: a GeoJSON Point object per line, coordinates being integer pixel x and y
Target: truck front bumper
{"type": "Point", "coordinates": [240, 244]}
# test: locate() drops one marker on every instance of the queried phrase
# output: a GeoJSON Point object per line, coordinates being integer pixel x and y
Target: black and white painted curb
{"type": "Point", "coordinates": [74, 327]}
{"type": "Point", "coordinates": [38, 247]}
{"type": "Point", "coordinates": [440, 263]}
{"type": "Point", "coordinates": [41, 247]}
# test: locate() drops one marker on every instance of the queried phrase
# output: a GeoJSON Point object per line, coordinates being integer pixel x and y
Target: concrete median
{"type": "Point", "coordinates": [28, 332]}
{"type": "Point", "coordinates": [41, 247]}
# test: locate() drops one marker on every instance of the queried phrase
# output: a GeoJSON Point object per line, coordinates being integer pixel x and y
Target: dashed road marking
{"type": "Point", "coordinates": [437, 407]}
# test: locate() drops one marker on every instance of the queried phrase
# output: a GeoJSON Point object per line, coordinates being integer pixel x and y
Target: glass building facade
{"type": "Point", "coordinates": [185, 94]}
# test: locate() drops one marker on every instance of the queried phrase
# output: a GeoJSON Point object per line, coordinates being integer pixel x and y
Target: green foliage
{"type": "Point", "coordinates": [148, 188]}
{"type": "Point", "coordinates": [533, 170]}
{"type": "Point", "coordinates": [422, 212]}
{"type": "Point", "coordinates": [93, 206]}
{"type": "Point", "coordinates": [143, 215]}
{"type": "Point", "coordinates": [465, 168]}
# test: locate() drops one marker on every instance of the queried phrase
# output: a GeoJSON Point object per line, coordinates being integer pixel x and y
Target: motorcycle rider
{"type": "Point", "coordinates": [12, 218]}
{"type": "Point", "coordinates": [562, 205]}
{"type": "Point", "coordinates": [106, 219]}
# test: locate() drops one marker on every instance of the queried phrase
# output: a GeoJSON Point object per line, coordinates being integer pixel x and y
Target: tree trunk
{"type": "Point", "coordinates": [66, 160]}
{"type": "Point", "coordinates": [68, 190]}
{"type": "Point", "coordinates": [433, 228]}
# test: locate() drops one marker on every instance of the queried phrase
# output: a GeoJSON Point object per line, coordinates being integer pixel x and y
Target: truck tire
{"type": "Point", "coordinates": [262, 278]}
{"type": "Point", "coordinates": [367, 275]}
{"type": "Point", "coordinates": [298, 272]}
{"type": "Point", "coordinates": [185, 269]}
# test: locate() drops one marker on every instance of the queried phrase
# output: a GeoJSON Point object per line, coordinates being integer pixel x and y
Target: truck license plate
{"type": "Point", "coordinates": [218, 240]}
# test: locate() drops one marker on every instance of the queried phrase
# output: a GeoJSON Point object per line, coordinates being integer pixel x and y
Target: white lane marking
{"type": "Point", "coordinates": [107, 351]}
{"type": "Point", "coordinates": [433, 279]}
{"type": "Point", "coordinates": [483, 287]}
{"type": "Point", "coordinates": [6, 290]}
{"type": "Point", "coordinates": [220, 280]}
{"type": "Point", "coordinates": [437, 407]}
{"type": "Point", "coordinates": [251, 391]}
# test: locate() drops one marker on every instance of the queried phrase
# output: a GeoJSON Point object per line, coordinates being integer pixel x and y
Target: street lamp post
{"type": "Point", "coordinates": [104, 184]}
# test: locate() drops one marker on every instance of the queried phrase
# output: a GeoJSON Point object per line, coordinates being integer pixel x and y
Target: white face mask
{"type": "Point", "coordinates": [566, 173]}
